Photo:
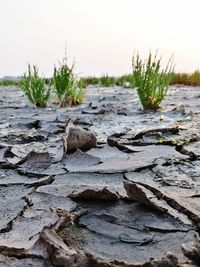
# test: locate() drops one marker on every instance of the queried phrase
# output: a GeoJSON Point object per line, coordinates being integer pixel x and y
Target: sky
{"type": "Point", "coordinates": [100, 35]}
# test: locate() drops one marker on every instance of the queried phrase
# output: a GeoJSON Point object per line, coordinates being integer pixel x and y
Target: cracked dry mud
{"type": "Point", "coordinates": [133, 199]}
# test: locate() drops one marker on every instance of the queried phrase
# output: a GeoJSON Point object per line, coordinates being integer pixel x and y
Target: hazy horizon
{"type": "Point", "coordinates": [100, 35]}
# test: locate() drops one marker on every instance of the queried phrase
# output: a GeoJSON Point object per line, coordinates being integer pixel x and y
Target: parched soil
{"type": "Point", "coordinates": [130, 200]}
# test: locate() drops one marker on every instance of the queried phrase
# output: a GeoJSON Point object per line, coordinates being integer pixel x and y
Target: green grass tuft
{"type": "Point", "coordinates": [150, 80]}
{"type": "Point", "coordinates": [68, 90]}
{"type": "Point", "coordinates": [35, 88]}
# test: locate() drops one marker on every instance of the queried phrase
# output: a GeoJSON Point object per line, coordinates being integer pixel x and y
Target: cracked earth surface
{"type": "Point", "coordinates": [131, 199]}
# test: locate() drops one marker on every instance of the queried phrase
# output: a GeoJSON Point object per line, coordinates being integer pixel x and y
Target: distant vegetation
{"type": "Point", "coordinates": [6, 82]}
{"type": "Point", "coordinates": [192, 79]}
{"type": "Point", "coordinates": [108, 81]}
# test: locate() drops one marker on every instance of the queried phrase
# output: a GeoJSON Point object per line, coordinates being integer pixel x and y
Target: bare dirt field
{"type": "Point", "coordinates": [131, 200]}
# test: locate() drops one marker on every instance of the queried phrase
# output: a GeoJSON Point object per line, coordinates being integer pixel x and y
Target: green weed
{"type": "Point", "coordinates": [35, 88]}
{"type": "Point", "coordinates": [150, 80]}
{"type": "Point", "coordinates": [68, 90]}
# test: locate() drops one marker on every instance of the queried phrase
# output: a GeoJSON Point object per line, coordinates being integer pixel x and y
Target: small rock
{"type": "Point", "coordinates": [79, 138]}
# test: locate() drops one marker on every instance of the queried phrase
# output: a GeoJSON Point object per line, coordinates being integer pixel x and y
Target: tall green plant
{"type": "Point", "coordinates": [68, 90]}
{"type": "Point", "coordinates": [150, 80]}
{"type": "Point", "coordinates": [34, 87]}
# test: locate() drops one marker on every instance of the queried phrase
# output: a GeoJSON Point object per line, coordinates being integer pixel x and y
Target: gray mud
{"type": "Point", "coordinates": [128, 198]}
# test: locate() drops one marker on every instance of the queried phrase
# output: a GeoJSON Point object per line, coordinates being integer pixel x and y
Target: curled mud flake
{"type": "Point", "coordinates": [35, 160]}
{"type": "Point", "coordinates": [144, 196]}
{"type": "Point", "coordinates": [58, 252]}
{"type": "Point", "coordinates": [113, 230]}
{"type": "Point", "coordinates": [25, 232]}
{"type": "Point", "coordinates": [95, 194]}
{"type": "Point", "coordinates": [177, 198]}
{"type": "Point", "coordinates": [80, 161]}
{"type": "Point", "coordinates": [4, 153]}
{"type": "Point", "coordinates": [48, 202]}
{"type": "Point", "coordinates": [6, 261]}
{"type": "Point", "coordinates": [56, 152]}
{"type": "Point", "coordinates": [129, 239]}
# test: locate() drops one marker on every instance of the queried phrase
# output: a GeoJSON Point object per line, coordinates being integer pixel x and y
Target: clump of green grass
{"type": "Point", "coordinates": [35, 88]}
{"type": "Point", "coordinates": [150, 80]}
{"type": "Point", "coordinates": [68, 90]}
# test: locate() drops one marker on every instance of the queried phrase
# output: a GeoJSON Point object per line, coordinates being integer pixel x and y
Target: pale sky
{"type": "Point", "coordinates": [100, 34]}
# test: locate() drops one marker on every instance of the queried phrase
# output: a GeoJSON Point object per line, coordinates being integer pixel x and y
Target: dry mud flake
{"type": "Point", "coordinates": [24, 232]}
{"type": "Point", "coordinates": [79, 161]}
{"type": "Point", "coordinates": [146, 197]}
{"type": "Point", "coordinates": [38, 165]}
{"type": "Point", "coordinates": [66, 184]}
{"type": "Point", "coordinates": [53, 169]}
{"type": "Point", "coordinates": [11, 204]}
{"type": "Point", "coordinates": [27, 262]}
{"type": "Point", "coordinates": [126, 234]}
{"type": "Point", "coordinates": [56, 151]}
{"type": "Point", "coordinates": [184, 200]}
{"type": "Point", "coordinates": [146, 136]}
{"type": "Point", "coordinates": [94, 194]}
{"type": "Point", "coordinates": [4, 151]}
{"type": "Point", "coordinates": [35, 161]}
{"type": "Point", "coordinates": [107, 152]}
{"type": "Point", "coordinates": [137, 159]}
{"type": "Point", "coordinates": [55, 147]}
{"type": "Point", "coordinates": [48, 202]}
{"type": "Point", "coordinates": [52, 247]}
{"type": "Point", "coordinates": [11, 177]}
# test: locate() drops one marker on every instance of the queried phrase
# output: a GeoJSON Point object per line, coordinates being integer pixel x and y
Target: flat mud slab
{"type": "Point", "coordinates": [130, 198]}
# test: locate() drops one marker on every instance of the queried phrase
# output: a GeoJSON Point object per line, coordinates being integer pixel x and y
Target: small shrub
{"type": "Point", "coordinates": [68, 90]}
{"type": "Point", "coordinates": [35, 88]}
{"type": "Point", "coordinates": [150, 80]}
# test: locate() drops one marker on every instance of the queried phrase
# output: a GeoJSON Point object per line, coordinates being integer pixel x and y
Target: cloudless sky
{"type": "Point", "coordinates": [100, 34]}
